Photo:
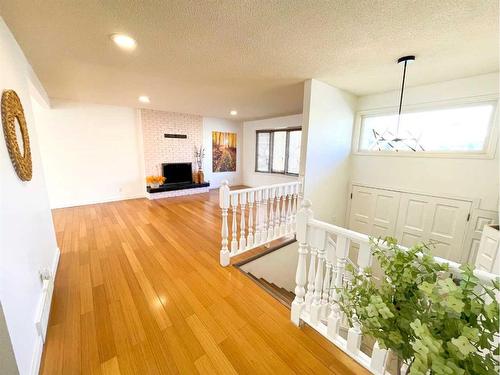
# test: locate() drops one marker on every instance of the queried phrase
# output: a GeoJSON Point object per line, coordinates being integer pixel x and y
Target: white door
{"type": "Point", "coordinates": [479, 219]}
{"type": "Point", "coordinates": [374, 211]}
{"type": "Point", "coordinates": [439, 221]}
{"type": "Point", "coordinates": [488, 252]}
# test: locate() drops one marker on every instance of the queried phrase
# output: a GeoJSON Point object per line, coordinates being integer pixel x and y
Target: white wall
{"type": "Point", "coordinates": [327, 134]}
{"type": "Point", "coordinates": [211, 124]}
{"type": "Point", "coordinates": [250, 177]}
{"type": "Point", "coordinates": [469, 178]}
{"type": "Point", "coordinates": [278, 267]}
{"type": "Point", "coordinates": [27, 239]}
{"type": "Point", "coordinates": [91, 153]}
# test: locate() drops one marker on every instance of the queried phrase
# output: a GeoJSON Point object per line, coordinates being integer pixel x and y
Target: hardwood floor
{"type": "Point", "coordinates": [139, 290]}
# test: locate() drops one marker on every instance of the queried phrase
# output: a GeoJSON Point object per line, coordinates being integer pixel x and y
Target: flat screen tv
{"type": "Point", "coordinates": [177, 173]}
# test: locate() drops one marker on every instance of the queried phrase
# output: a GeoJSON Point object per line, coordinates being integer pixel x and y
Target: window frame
{"type": "Point", "coordinates": [271, 147]}
{"type": "Point", "coordinates": [489, 148]}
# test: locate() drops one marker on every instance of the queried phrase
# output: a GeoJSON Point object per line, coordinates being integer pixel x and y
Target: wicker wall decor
{"type": "Point", "coordinates": [12, 109]}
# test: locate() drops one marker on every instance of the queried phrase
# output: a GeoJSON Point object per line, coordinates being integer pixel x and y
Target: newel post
{"type": "Point", "coordinates": [224, 205]}
{"type": "Point", "coordinates": [298, 303]}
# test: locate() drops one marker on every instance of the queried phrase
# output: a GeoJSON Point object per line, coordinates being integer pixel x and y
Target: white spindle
{"type": "Point", "coordinates": [224, 205]}
{"type": "Point", "coordinates": [289, 218]}
{"type": "Point", "coordinates": [258, 217]}
{"type": "Point", "coordinates": [243, 204]}
{"type": "Point", "coordinates": [298, 303]}
{"type": "Point", "coordinates": [283, 221]}
{"type": "Point", "coordinates": [332, 259]}
{"type": "Point", "coordinates": [251, 196]}
{"type": "Point", "coordinates": [277, 214]}
{"type": "Point", "coordinates": [311, 277]}
{"type": "Point", "coordinates": [364, 256]}
{"type": "Point", "coordinates": [319, 240]}
{"type": "Point", "coordinates": [266, 213]}
{"type": "Point", "coordinates": [334, 319]}
{"type": "Point", "coordinates": [378, 361]}
{"type": "Point", "coordinates": [270, 223]}
{"type": "Point", "coordinates": [265, 198]}
{"type": "Point", "coordinates": [326, 283]}
{"type": "Point", "coordinates": [234, 240]}
{"type": "Point", "coordinates": [294, 209]}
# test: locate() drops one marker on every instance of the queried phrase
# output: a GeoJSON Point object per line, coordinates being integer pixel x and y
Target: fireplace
{"type": "Point", "coordinates": [177, 173]}
{"type": "Point", "coordinates": [178, 181]}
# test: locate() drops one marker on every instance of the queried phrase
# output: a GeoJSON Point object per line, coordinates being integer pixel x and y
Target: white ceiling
{"type": "Point", "coordinates": [207, 57]}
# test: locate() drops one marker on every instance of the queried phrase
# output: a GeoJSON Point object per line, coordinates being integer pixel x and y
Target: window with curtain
{"type": "Point", "coordinates": [278, 151]}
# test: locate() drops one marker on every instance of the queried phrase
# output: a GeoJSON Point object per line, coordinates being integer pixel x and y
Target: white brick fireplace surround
{"type": "Point", "coordinates": [158, 149]}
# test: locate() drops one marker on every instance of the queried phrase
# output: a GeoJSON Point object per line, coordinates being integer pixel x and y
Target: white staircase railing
{"type": "Point", "coordinates": [321, 270]}
{"type": "Point", "coordinates": [258, 216]}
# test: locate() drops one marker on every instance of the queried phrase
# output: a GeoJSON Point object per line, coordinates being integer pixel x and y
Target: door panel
{"type": "Point", "coordinates": [412, 218]}
{"type": "Point", "coordinates": [489, 247]}
{"type": "Point", "coordinates": [361, 209]}
{"type": "Point", "coordinates": [441, 222]}
{"type": "Point", "coordinates": [413, 215]}
{"type": "Point", "coordinates": [373, 211]}
{"type": "Point", "coordinates": [479, 219]}
{"type": "Point", "coordinates": [385, 213]}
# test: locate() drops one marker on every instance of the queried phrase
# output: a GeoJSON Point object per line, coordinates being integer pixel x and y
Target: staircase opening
{"type": "Point", "coordinates": [266, 267]}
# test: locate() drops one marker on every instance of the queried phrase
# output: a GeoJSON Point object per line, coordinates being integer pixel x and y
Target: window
{"type": "Point", "coordinates": [278, 151]}
{"type": "Point", "coordinates": [263, 148]}
{"type": "Point", "coordinates": [462, 129]}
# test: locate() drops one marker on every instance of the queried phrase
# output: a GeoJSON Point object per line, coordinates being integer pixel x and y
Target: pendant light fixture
{"type": "Point", "coordinates": [396, 141]}
{"type": "Point", "coordinates": [403, 60]}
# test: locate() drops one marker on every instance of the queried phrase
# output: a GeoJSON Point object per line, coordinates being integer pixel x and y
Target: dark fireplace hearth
{"type": "Point", "coordinates": [178, 176]}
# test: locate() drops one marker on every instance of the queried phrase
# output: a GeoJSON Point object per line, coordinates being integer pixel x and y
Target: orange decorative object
{"type": "Point", "coordinates": [155, 180]}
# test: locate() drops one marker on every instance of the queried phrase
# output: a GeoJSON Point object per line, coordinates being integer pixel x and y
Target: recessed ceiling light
{"type": "Point", "coordinates": [144, 99]}
{"type": "Point", "coordinates": [233, 112]}
{"type": "Point", "coordinates": [124, 41]}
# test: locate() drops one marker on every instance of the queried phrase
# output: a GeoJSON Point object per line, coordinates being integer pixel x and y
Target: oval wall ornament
{"type": "Point", "coordinates": [12, 110]}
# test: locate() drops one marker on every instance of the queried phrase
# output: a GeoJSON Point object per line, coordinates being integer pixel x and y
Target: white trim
{"type": "Point", "coordinates": [55, 263]}
{"type": "Point", "coordinates": [489, 145]}
{"type": "Point", "coordinates": [338, 341]}
{"type": "Point", "coordinates": [97, 201]}
{"type": "Point", "coordinates": [37, 354]}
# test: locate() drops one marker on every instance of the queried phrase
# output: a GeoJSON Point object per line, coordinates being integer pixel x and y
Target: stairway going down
{"type": "Point", "coordinates": [281, 294]}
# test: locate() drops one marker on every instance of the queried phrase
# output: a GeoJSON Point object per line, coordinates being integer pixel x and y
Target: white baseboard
{"type": "Point", "coordinates": [97, 201]}
{"type": "Point", "coordinates": [37, 354]}
{"type": "Point", "coordinates": [55, 263]}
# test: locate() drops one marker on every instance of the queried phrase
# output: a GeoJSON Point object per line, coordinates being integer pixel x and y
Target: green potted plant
{"type": "Point", "coordinates": [432, 322]}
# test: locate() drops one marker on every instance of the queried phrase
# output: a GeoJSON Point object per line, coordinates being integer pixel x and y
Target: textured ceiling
{"type": "Point", "coordinates": [207, 57]}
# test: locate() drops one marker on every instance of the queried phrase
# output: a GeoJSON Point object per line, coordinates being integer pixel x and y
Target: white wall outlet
{"type": "Point", "coordinates": [45, 274]}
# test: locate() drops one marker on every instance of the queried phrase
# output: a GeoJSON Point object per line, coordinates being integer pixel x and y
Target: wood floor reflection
{"type": "Point", "coordinates": [139, 290]}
